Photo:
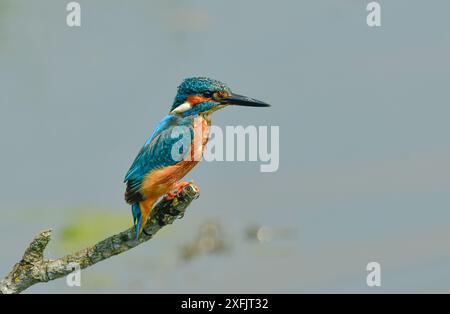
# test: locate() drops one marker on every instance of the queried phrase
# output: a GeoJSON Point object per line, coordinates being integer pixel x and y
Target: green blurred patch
{"type": "Point", "coordinates": [96, 280]}
{"type": "Point", "coordinates": [90, 226]}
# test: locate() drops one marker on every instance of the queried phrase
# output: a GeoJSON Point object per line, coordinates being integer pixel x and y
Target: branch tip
{"type": "Point", "coordinates": [35, 251]}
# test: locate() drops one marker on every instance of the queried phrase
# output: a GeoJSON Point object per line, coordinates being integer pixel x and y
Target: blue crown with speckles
{"type": "Point", "coordinates": [197, 86]}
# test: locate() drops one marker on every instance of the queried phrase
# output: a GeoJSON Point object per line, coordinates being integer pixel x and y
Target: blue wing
{"type": "Point", "coordinates": [157, 153]}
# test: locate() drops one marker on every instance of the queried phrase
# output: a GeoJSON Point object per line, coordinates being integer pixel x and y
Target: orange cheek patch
{"type": "Point", "coordinates": [195, 100]}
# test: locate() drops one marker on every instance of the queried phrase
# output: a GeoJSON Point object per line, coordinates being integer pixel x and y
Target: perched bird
{"type": "Point", "coordinates": [176, 145]}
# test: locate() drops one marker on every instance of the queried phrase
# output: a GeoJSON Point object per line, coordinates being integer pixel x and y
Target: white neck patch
{"type": "Point", "coordinates": [182, 108]}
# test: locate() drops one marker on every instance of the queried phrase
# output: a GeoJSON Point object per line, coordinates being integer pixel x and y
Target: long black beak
{"type": "Point", "coordinates": [239, 100]}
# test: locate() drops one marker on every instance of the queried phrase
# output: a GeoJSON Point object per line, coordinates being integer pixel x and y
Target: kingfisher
{"type": "Point", "coordinates": [177, 144]}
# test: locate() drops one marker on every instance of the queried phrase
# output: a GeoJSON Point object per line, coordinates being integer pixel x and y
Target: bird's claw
{"type": "Point", "coordinates": [178, 188]}
{"type": "Point", "coordinates": [170, 196]}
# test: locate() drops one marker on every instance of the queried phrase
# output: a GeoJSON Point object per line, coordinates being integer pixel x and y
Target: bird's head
{"type": "Point", "coordinates": [204, 95]}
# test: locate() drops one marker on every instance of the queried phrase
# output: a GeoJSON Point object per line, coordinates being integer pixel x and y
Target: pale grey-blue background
{"type": "Point", "coordinates": [364, 121]}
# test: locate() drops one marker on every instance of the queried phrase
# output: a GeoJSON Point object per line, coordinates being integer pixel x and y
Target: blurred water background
{"type": "Point", "coordinates": [364, 121]}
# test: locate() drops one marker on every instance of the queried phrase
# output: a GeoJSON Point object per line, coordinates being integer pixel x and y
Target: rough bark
{"type": "Point", "coordinates": [33, 268]}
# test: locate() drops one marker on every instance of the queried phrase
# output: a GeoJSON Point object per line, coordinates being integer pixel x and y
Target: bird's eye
{"type": "Point", "coordinates": [220, 95]}
{"type": "Point", "coordinates": [208, 94]}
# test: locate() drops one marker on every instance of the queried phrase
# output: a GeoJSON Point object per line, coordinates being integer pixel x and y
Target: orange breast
{"type": "Point", "coordinates": [161, 181]}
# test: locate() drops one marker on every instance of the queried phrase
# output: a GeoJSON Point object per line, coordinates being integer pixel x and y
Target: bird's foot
{"type": "Point", "coordinates": [177, 190]}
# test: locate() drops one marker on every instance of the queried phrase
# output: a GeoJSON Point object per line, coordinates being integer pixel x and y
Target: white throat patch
{"type": "Point", "coordinates": [182, 108]}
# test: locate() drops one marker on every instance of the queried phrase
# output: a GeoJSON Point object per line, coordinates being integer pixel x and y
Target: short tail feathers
{"type": "Point", "coordinates": [141, 212]}
{"type": "Point", "coordinates": [137, 218]}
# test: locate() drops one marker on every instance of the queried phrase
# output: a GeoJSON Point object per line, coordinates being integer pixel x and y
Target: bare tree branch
{"type": "Point", "coordinates": [33, 268]}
